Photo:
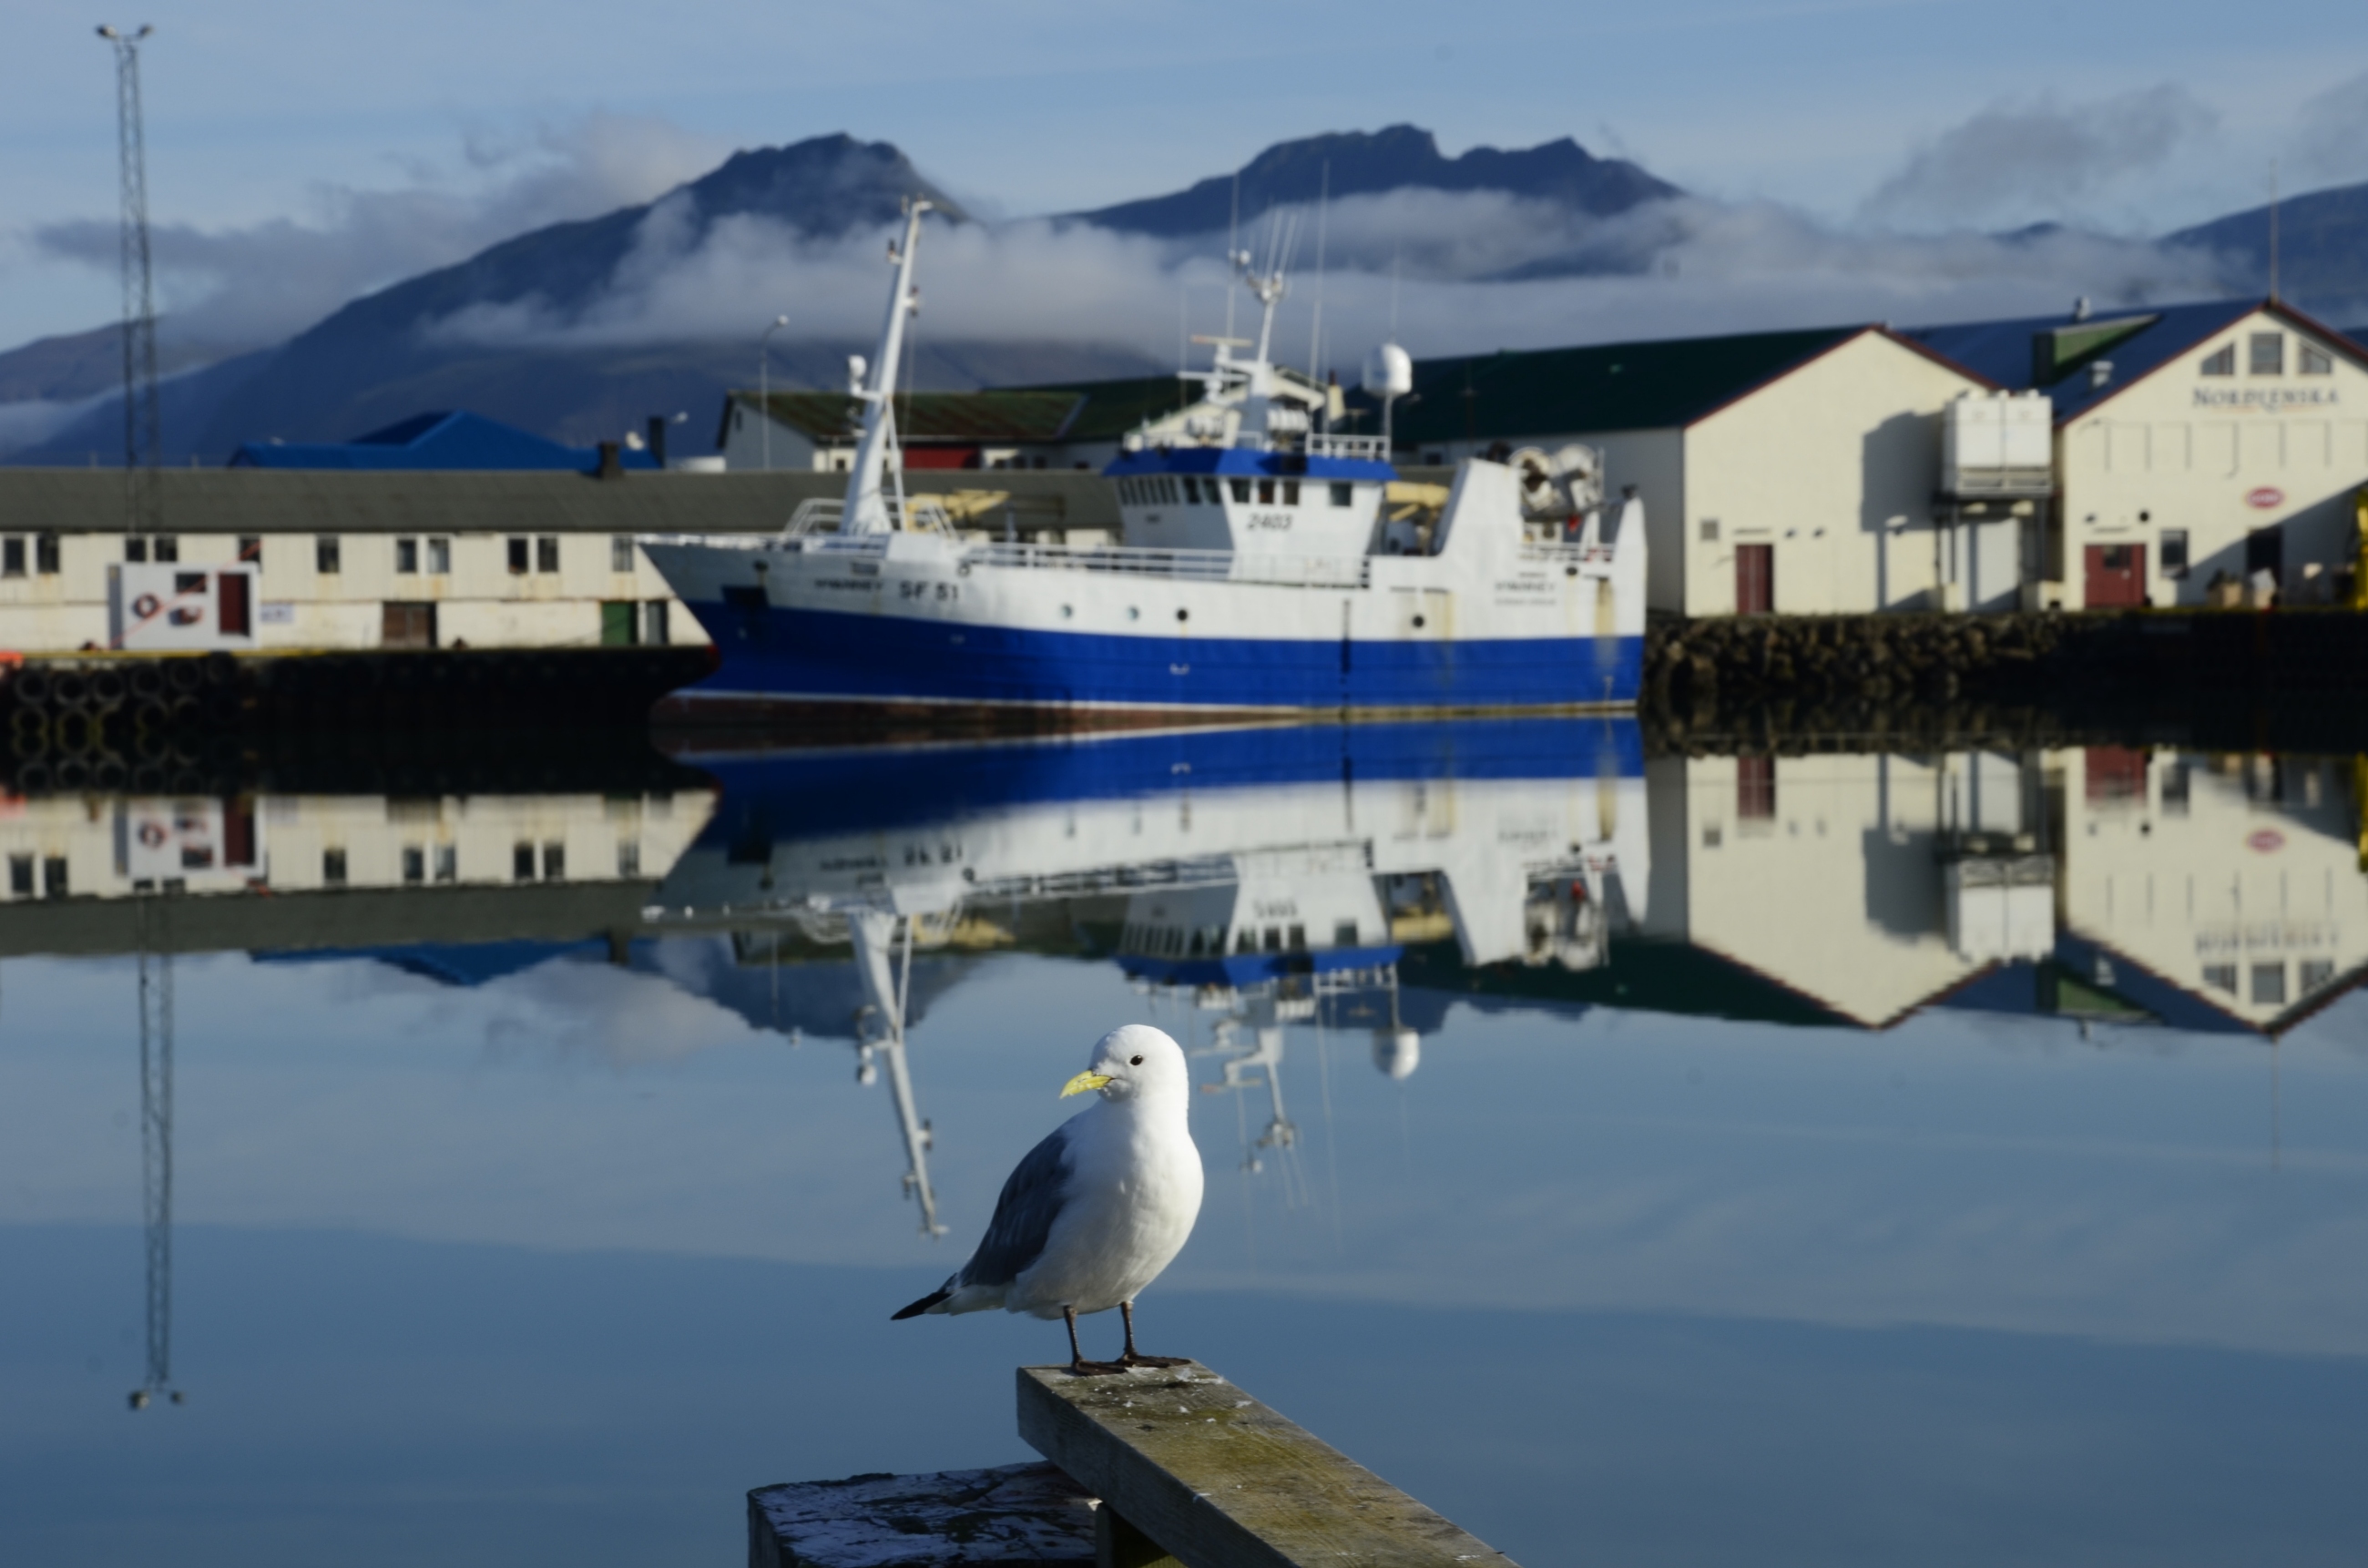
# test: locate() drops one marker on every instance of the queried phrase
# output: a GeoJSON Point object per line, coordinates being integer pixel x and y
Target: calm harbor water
{"type": "Point", "coordinates": [1841, 1159]}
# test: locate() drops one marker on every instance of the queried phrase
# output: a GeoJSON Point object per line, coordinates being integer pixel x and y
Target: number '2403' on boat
{"type": "Point", "coordinates": [1266, 567]}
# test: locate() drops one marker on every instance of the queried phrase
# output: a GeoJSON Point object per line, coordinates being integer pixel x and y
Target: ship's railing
{"type": "Point", "coordinates": [827, 514]}
{"type": "Point", "coordinates": [1197, 565]}
{"type": "Point", "coordinates": [1371, 448]}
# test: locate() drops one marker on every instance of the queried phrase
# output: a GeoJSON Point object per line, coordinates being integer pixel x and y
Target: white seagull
{"type": "Point", "coordinates": [1099, 1208]}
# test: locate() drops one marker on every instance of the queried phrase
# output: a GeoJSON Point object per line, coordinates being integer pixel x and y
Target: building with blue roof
{"type": "Point", "coordinates": [2210, 453]}
{"type": "Point", "coordinates": [448, 441]}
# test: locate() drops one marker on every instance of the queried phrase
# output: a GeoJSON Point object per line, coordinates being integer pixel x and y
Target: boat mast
{"type": "Point", "coordinates": [867, 507]}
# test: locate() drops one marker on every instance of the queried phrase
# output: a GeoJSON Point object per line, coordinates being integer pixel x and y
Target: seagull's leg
{"type": "Point", "coordinates": [1135, 1357]}
{"type": "Point", "coordinates": [1078, 1366]}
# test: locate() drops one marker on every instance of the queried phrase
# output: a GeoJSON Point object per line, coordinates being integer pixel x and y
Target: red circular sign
{"type": "Point", "coordinates": [2267, 496]}
{"type": "Point", "coordinates": [2265, 840]}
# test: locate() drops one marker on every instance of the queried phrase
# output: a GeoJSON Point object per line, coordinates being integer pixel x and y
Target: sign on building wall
{"type": "Point", "coordinates": [175, 609]}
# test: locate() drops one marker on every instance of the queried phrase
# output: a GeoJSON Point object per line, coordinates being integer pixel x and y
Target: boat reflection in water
{"type": "Point", "coordinates": [1365, 877]}
{"type": "Point", "coordinates": [1266, 875]}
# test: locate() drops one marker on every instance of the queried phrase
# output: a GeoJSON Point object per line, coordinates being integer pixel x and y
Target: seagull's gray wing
{"type": "Point", "coordinates": [1023, 1215]}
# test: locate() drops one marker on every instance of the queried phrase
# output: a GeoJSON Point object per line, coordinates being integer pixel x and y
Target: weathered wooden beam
{"type": "Point", "coordinates": [1018, 1516]}
{"type": "Point", "coordinates": [1220, 1481]}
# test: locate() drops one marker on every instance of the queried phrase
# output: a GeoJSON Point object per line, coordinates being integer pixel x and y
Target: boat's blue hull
{"type": "Point", "coordinates": [776, 656]}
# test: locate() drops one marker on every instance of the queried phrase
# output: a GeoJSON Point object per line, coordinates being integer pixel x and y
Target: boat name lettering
{"type": "Point", "coordinates": [942, 592]}
{"type": "Point", "coordinates": [857, 584]}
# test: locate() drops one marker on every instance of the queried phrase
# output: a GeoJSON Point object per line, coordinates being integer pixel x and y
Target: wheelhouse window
{"type": "Point", "coordinates": [2266, 355]}
{"type": "Point", "coordinates": [1342, 495]}
{"type": "Point", "coordinates": [1291, 493]}
{"type": "Point", "coordinates": [1241, 488]}
{"type": "Point", "coordinates": [1265, 491]}
{"type": "Point", "coordinates": [2313, 360]}
{"type": "Point", "coordinates": [2221, 361]}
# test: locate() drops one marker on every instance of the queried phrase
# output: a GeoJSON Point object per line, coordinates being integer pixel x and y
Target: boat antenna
{"type": "Point", "coordinates": [1397, 251]}
{"type": "Point", "coordinates": [1316, 333]}
{"type": "Point", "coordinates": [1232, 248]}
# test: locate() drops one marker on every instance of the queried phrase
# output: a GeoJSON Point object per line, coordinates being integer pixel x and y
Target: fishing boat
{"type": "Point", "coordinates": [1267, 566]}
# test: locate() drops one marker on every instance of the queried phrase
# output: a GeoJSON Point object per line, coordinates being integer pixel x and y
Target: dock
{"type": "Point", "coordinates": [1156, 1468]}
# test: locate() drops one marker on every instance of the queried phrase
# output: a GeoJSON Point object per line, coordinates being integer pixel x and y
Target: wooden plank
{"type": "Point", "coordinates": [1221, 1480]}
{"type": "Point", "coordinates": [1018, 1516]}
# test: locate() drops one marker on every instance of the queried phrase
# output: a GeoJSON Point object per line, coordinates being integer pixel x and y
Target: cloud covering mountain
{"type": "Point", "coordinates": [580, 327]}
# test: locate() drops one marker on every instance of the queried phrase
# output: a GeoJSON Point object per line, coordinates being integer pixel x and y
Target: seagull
{"type": "Point", "coordinates": [1099, 1208]}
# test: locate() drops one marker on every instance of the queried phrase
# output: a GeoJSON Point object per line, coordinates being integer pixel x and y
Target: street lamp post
{"type": "Point", "coordinates": [765, 386]}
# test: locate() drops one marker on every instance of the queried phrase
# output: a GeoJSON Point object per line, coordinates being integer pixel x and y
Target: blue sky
{"type": "Point", "coordinates": [266, 110]}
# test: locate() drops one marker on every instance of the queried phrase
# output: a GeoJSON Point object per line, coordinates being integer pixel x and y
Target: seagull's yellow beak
{"type": "Point", "coordinates": [1082, 1082]}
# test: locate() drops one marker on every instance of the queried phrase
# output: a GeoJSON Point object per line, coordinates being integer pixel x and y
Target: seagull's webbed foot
{"type": "Point", "coordinates": [1134, 1357]}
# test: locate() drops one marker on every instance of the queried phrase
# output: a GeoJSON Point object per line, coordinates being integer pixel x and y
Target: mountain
{"type": "Point", "coordinates": [2322, 250]}
{"type": "Point", "coordinates": [373, 362]}
{"type": "Point", "coordinates": [1400, 157]}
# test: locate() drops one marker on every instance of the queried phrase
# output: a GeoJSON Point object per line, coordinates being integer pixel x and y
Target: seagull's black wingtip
{"type": "Point", "coordinates": [917, 1308]}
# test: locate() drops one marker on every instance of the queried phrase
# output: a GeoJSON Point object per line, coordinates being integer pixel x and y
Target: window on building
{"type": "Point", "coordinates": [20, 875]}
{"type": "Point", "coordinates": [164, 548]}
{"type": "Point", "coordinates": [656, 625]}
{"type": "Point", "coordinates": [2315, 974]}
{"type": "Point", "coordinates": [2266, 354]}
{"type": "Point", "coordinates": [1755, 788]}
{"type": "Point", "coordinates": [328, 555]}
{"type": "Point", "coordinates": [2221, 361]}
{"type": "Point", "coordinates": [2270, 985]}
{"type": "Point", "coordinates": [333, 867]}
{"type": "Point", "coordinates": [1342, 495]}
{"type": "Point", "coordinates": [2221, 977]}
{"type": "Point", "coordinates": [546, 554]}
{"type": "Point", "coordinates": [2174, 553]}
{"type": "Point", "coordinates": [629, 857]}
{"type": "Point", "coordinates": [554, 862]}
{"type": "Point", "coordinates": [521, 862]}
{"type": "Point", "coordinates": [250, 550]}
{"type": "Point", "coordinates": [439, 557]}
{"type": "Point", "coordinates": [135, 549]}
{"type": "Point", "coordinates": [519, 548]}
{"type": "Point", "coordinates": [415, 865]}
{"type": "Point", "coordinates": [2175, 789]}
{"type": "Point", "coordinates": [448, 863]}
{"type": "Point", "coordinates": [45, 554]}
{"type": "Point", "coordinates": [54, 876]}
{"type": "Point", "coordinates": [1710, 530]}
{"type": "Point", "coordinates": [406, 556]}
{"type": "Point", "coordinates": [12, 556]}
{"type": "Point", "coordinates": [2313, 360]}
{"type": "Point", "coordinates": [620, 554]}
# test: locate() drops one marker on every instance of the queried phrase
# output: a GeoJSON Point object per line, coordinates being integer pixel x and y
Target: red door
{"type": "Point", "coordinates": [2117, 576]}
{"type": "Point", "coordinates": [230, 604]}
{"type": "Point", "coordinates": [1755, 579]}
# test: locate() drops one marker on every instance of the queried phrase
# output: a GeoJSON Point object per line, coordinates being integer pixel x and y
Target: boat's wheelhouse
{"type": "Point", "coordinates": [1324, 500]}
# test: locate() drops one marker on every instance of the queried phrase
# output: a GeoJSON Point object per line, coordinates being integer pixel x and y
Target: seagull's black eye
{"type": "Point", "coordinates": [1136, 1061]}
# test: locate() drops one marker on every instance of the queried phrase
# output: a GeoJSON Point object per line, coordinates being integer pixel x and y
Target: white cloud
{"type": "Point", "coordinates": [2040, 159]}
{"type": "Point", "coordinates": [247, 287]}
{"type": "Point", "coordinates": [1669, 268]}
{"type": "Point", "coordinates": [2332, 132]}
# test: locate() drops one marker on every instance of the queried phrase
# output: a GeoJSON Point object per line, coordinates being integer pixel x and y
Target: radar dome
{"type": "Point", "coordinates": [1388, 371]}
{"type": "Point", "coordinates": [1397, 1052]}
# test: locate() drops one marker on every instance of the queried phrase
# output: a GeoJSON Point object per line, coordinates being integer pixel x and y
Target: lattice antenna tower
{"type": "Point", "coordinates": [143, 437]}
{"type": "Point", "coordinates": [156, 1144]}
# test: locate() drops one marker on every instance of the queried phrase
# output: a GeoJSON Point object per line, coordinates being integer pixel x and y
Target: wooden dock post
{"type": "Point", "coordinates": [1191, 1470]}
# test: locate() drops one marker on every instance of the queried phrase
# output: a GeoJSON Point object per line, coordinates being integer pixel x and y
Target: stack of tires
{"type": "Point", "coordinates": [132, 723]}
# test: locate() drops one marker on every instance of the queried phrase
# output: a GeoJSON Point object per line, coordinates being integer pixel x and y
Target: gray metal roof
{"type": "Point", "coordinates": [268, 501]}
